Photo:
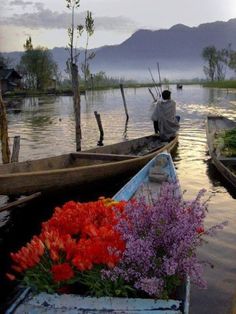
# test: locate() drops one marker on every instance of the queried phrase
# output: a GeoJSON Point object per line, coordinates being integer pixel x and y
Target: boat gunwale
{"type": "Point", "coordinates": [222, 168]}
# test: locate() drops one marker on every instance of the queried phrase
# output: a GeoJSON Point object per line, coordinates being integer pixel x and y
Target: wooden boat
{"type": "Point", "coordinates": [225, 165]}
{"type": "Point", "coordinates": [54, 303]}
{"type": "Point", "coordinates": [79, 169]}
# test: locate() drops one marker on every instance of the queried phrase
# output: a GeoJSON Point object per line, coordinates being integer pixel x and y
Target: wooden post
{"type": "Point", "coordinates": [4, 132]}
{"type": "Point", "coordinates": [76, 99]}
{"type": "Point", "coordinates": [124, 101]}
{"type": "Point", "coordinates": [99, 122]}
{"type": "Point", "coordinates": [15, 149]}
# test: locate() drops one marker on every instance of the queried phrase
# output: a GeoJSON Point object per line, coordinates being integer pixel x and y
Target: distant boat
{"type": "Point", "coordinates": [147, 179]}
{"type": "Point", "coordinates": [81, 169]}
{"type": "Point", "coordinates": [225, 165]}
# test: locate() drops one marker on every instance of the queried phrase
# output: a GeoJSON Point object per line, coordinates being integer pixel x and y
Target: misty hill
{"type": "Point", "coordinates": [178, 51]}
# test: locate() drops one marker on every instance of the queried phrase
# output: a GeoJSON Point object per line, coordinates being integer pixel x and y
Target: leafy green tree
{"type": "Point", "coordinates": [209, 54]}
{"type": "Point", "coordinates": [221, 64]}
{"type": "Point", "coordinates": [232, 60]}
{"type": "Point", "coordinates": [218, 61]}
{"type": "Point", "coordinates": [37, 66]}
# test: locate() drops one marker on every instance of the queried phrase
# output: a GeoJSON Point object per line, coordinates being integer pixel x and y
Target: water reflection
{"type": "Point", "coordinates": [46, 124]}
{"type": "Point", "coordinates": [46, 127]}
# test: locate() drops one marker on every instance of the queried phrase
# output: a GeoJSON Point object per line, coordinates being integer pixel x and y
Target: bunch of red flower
{"type": "Point", "coordinates": [76, 238]}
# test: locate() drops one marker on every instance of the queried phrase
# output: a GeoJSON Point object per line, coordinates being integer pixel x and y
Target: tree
{"type": "Point", "coordinates": [72, 5]}
{"type": "Point", "coordinates": [209, 54]}
{"type": "Point", "coordinates": [218, 60]}
{"type": "Point", "coordinates": [232, 59]}
{"type": "Point", "coordinates": [89, 28]}
{"type": "Point", "coordinates": [37, 66]}
{"type": "Point", "coordinates": [221, 64]}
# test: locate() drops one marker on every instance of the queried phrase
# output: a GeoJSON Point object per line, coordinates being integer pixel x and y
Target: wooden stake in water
{"type": "Point", "coordinates": [124, 101]}
{"type": "Point", "coordinates": [15, 149]}
{"type": "Point", "coordinates": [99, 122]}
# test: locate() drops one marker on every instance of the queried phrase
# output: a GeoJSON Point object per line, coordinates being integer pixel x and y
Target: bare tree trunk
{"type": "Point", "coordinates": [4, 132]}
{"type": "Point", "coordinates": [76, 99]}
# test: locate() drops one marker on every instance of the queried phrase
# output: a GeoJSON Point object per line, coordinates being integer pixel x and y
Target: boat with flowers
{"type": "Point", "coordinates": [81, 169]}
{"type": "Point", "coordinates": [221, 139]}
{"type": "Point", "coordinates": [132, 254]}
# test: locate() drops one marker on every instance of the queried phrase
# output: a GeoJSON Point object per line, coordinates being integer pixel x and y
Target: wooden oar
{"type": "Point", "coordinates": [20, 201]}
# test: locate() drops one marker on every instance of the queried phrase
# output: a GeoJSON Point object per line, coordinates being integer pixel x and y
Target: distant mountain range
{"type": "Point", "coordinates": [178, 51]}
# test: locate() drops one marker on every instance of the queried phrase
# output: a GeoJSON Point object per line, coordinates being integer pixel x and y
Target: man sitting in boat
{"type": "Point", "coordinates": [164, 117]}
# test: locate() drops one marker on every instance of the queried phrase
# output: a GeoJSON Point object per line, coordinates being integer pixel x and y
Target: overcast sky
{"type": "Point", "coordinates": [115, 20]}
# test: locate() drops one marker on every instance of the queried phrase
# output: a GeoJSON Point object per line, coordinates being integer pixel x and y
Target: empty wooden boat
{"type": "Point", "coordinates": [82, 168]}
{"type": "Point", "coordinates": [225, 165]}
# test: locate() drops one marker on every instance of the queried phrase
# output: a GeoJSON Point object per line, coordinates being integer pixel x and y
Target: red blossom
{"type": "Point", "coordinates": [78, 234]}
{"type": "Point", "coordinates": [10, 277]}
{"type": "Point", "coordinates": [28, 256]}
{"type": "Point", "coordinates": [200, 230]}
{"type": "Point", "coordinates": [62, 272]}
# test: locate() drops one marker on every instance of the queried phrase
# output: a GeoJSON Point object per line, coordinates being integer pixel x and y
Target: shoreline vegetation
{"type": "Point", "coordinates": [221, 84]}
{"type": "Point", "coordinates": [68, 92]}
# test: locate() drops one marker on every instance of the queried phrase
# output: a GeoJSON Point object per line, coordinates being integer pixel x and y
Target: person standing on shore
{"type": "Point", "coordinates": [164, 117]}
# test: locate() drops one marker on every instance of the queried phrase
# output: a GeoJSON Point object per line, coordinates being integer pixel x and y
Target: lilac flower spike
{"type": "Point", "coordinates": [161, 242]}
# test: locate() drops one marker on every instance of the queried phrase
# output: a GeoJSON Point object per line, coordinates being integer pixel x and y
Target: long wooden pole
{"type": "Point", "coordinates": [155, 84]}
{"type": "Point", "coordinates": [150, 91]}
{"type": "Point", "coordinates": [4, 132]}
{"type": "Point", "coordinates": [124, 101]}
{"type": "Point", "coordinates": [21, 201]}
{"type": "Point", "coordinates": [159, 74]}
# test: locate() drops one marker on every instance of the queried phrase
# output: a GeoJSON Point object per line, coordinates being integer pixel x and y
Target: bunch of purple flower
{"type": "Point", "coordinates": [161, 240]}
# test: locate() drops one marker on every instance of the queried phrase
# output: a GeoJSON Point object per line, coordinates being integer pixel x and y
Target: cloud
{"type": "Point", "coordinates": [45, 18]}
{"type": "Point", "coordinates": [20, 3]}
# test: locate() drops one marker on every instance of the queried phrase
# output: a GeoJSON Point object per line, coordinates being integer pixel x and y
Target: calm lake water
{"type": "Point", "coordinates": [46, 127]}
